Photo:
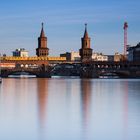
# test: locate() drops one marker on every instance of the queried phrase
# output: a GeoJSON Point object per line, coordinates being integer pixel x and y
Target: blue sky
{"type": "Point", "coordinates": [20, 23]}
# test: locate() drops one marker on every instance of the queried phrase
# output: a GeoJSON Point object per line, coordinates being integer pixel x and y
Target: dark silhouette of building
{"type": "Point", "coordinates": [67, 55]}
{"type": "Point", "coordinates": [85, 51]}
{"type": "Point", "coordinates": [134, 53]}
{"type": "Point", "coordinates": [42, 49]}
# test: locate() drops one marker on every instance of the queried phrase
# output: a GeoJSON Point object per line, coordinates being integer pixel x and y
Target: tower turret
{"type": "Point", "coordinates": [85, 39]}
{"type": "Point", "coordinates": [85, 51]}
{"type": "Point", "coordinates": [42, 49]}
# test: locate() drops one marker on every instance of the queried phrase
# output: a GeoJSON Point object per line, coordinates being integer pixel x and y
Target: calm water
{"type": "Point", "coordinates": [69, 109]}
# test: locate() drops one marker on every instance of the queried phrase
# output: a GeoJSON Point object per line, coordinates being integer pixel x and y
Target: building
{"type": "Point", "coordinates": [85, 51]}
{"type": "Point", "coordinates": [134, 53]}
{"type": "Point", "coordinates": [67, 55]}
{"type": "Point", "coordinates": [71, 56]}
{"type": "Point", "coordinates": [99, 57]}
{"type": "Point", "coordinates": [110, 58]}
{"type": "Point", "coordinates": [7, 65]}
{"type": "Point", "coordinates": [75, 56]}
{"type": "Point", "coordinates": [117, 57]}
{"type": "Point", "coordinates": [42, 50]}
{"type": "Point", "coordinates": [20, 53]}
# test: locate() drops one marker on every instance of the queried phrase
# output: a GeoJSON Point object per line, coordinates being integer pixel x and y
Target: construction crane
{"type": "Point", "coordinates": [125, 38]}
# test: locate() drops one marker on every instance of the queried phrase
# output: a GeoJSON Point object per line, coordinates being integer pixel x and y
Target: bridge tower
{"type": "Point", "coordinates": [42, 49]}
{"type": "Point", "coordinates": [85, 51]}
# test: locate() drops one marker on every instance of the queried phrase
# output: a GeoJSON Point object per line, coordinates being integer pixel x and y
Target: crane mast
{"type": "Point", "coordinates": [125, 38]}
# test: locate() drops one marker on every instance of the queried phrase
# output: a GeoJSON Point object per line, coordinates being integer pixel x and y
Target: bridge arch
{"type": "Point", "coordinates": [18, 72]}
{"type": "Point", "coordinates": [8, 72]}
{"type": "Point", "coordinates": [119, 74]}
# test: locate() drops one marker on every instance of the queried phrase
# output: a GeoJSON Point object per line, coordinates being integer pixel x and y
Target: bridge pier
{"type": "Point", "coordinates": [43, 75]}
{"type": "Point", "coordinates": [4, 73]}
{"type": "Point", "coordinates": [44, 72]}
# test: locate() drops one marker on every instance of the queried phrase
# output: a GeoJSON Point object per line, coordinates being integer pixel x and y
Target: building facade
{"type": "Point", "coordinates": [85, 51]}
{"type": "Point", "coordinates": [71, 56]}
{"type": "Point", "coordinates": [42, 50]}
{"type": "Point", "coordinates": [67, 55]}
{"type": "Point", "coordinates": [134, 53]}
{"type": "Point", "coordinates": [99, 57]}
{"type": "Point", "coordinates": [119, 57]}
{"type": "Point", "coordinates": [74, 56]}
{"type": "Point", "coordinates": [20, 53]}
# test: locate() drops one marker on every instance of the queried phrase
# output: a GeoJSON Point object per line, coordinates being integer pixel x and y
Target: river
{"type": "Point", "coordinates": [69, 109]}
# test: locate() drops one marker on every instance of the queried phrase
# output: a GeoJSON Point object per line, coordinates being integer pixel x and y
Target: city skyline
{"type": "Point", "coordinates": [64, 24]}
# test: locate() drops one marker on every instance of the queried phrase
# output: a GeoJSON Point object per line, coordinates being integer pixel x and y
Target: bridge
{"type": "Point", "coordinates": [47, 67]}
{"type": "Point", "coordinates": [43, 65]}
{"type": "Point", "coordinates": [40, 72]}
{"type": "Point", "coordinates": [122, 69]}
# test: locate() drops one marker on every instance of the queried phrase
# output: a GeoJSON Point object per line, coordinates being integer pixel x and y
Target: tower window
{"type": "Point", "coordinates": [86, 44]}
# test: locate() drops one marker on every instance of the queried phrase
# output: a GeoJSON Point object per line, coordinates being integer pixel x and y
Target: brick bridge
{"type": "Point", "coordinates": [40, 72]}
{"type": "Point", "coordinates": [92, 69]}
{"type": "Point", "coordinates": [121, 69]}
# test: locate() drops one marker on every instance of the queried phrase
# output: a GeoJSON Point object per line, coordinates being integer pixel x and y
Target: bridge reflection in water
{"type": "Point", "coordinates": [80, 109]}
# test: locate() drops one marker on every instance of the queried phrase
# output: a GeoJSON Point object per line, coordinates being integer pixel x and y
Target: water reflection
{"type": "Point", "coordinates": [42, 97]}
{"type": "Point", "coordinates": [86, 90]}
{"type": "Point", "coordinates": [104, 103]}
{"type": "Point", "coordinates": [17, 102]}
{"type": "Point", "coordinates": [69, 109]}
{"type": "Point", "coordinates": [125, 110]}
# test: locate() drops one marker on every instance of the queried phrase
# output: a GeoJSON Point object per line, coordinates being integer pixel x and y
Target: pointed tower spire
{"type": "Point", "coordinates": [86, 33]}
{"type": "Point", "coordinates": [42, 34]}
{"type": "Point", "coordinates": [42, 49]}
{"type": "Point", "coordinates": [85, 51]}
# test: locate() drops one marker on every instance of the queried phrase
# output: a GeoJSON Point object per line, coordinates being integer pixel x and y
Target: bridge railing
{"type": "Point", "coordinates": [34, 58]}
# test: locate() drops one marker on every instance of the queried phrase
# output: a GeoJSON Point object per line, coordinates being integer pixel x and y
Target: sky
{"type": "Point", "coordinates": [20, 24]}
